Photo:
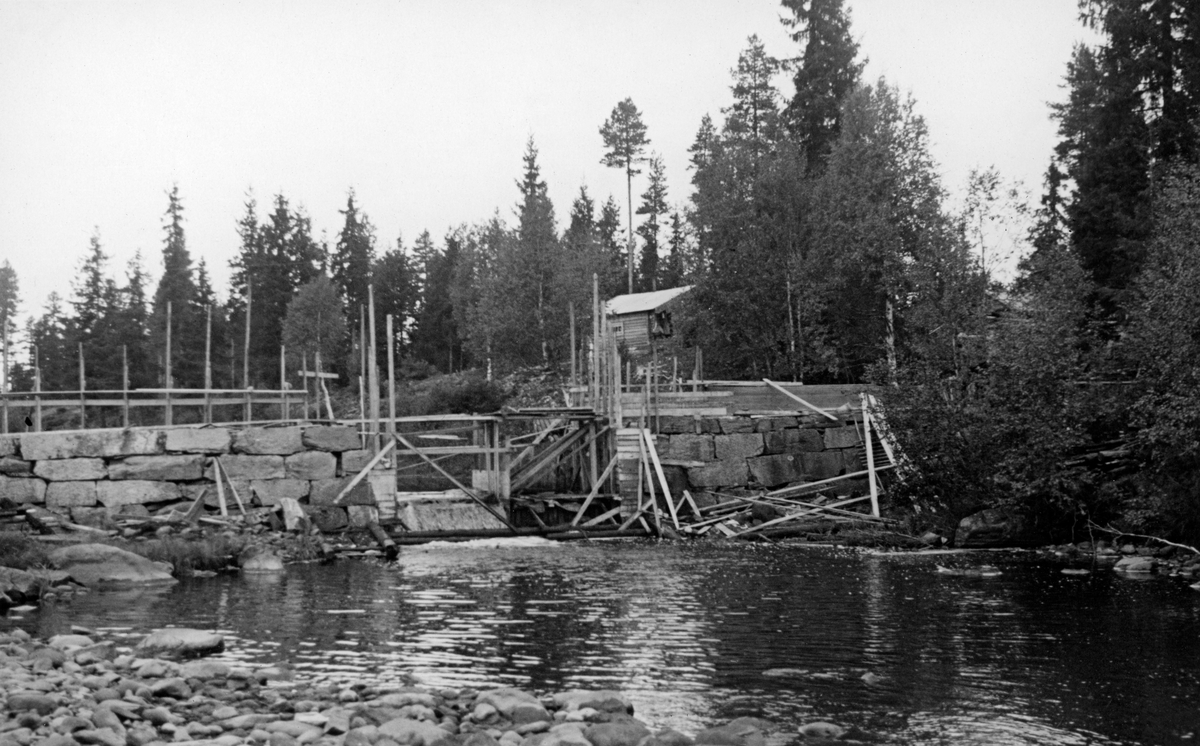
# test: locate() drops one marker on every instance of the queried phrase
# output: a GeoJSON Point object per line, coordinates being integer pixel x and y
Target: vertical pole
{"type": "Point", "coordinates": [574, 363]}
{"type": "Point", "coordinates": [246, 347]}
{"type": "Point", "coordinates": [82, 387]}
{"type": "Point", "coordinates": [304, 378]}
{"type": "Point", "coordinates": [362, 375]}
{"type": "Point", "coordinates": [283, 400]}
{"type": "Point", "coordinates": [374, 370]}
{"type": "Point", "coordinates": [391, 353]}
{"type": "Point", "coordinates": [4, 389]}
{"type": "Point", "coordinates": [594, 368]}
{"type": "Point", "coordinates": [125, 385]}
{"type": "Point", "coordinates": [866, 415]}
{"type": "Point", "coordinates": [37, 387]}
{"type": "Point", "coordinates": [208, 366]}
{"type": "Point", "coordinates": [168, 415]}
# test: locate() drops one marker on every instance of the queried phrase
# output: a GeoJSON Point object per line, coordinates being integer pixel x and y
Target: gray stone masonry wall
{"type": "Point", "coordinates": [760, 451]}
{"type": "Point", "coordinates": [93, 475]}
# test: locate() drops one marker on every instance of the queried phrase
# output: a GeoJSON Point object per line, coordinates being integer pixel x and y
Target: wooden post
{"type": "Point", "coordinates": [871, 480]}
{"type": "Point", "coordinates": [37, 387]}
{"type": "Point", "coordinates": [125, 385]}
{"type": "Point", "coordinates": [304, 378]}
{"type": "Point", "coordinates": [362, 375]}
{"type": "Point", "coordinates": [284, 413]}
{"type": "Point", "coordinates": [82, 387]}
{"type": "Point", "coordinates": [374, 370]}
{"type": "Point", "coordinates": [574, 363]}
{"type": "Point", "coordinates": [208, 366]}
{"type": "Point", "coordinates": [168, 415]}
{"type": "Point", "coordinates": [594, 367]}
{"type": "Point", "coordinates": [391, 353]}
{"type": "Point", "coordinates": [4, 389]}
{"type": "Point", "coordinates": [246, 347]}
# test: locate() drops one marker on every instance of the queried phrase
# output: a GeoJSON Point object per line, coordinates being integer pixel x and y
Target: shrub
{"type": "Point", "coordinates": [470, 396]}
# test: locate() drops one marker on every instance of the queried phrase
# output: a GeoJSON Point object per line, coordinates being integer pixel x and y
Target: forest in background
{"type": "Point", "coordinates": [823, 247]}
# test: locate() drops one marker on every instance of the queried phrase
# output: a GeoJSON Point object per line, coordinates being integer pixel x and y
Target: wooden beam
{"type": "Point", "coordinates": [793, 397]}
{"type": "Point", "coordinates": [830, 480]}
{"type": "Point", "coordinates": [799, 514]}
{"type": "Point", "coordinates": [550, 456]}
{"type": "Point", "coordinates": [602, 517]}
{"type": "Point", "coordinates": [662, 478]}
{"type": "Point", "coordinates": [470, 493]}
{"type": "Point", "coordinates": [366, 469]}
{"type": "Point", "coordinates": [595, 490]}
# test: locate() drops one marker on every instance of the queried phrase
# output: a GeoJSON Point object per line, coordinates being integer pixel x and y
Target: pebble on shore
{"type": "Point", "coordinates": [76, 690]}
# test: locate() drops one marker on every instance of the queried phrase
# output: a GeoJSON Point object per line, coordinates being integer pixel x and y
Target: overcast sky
{"type": "Point", "coordinates": [424, 106]}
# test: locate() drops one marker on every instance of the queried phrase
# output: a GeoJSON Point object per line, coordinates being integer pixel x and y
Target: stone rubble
{"type": "Point", "coordinates": [78, 689]}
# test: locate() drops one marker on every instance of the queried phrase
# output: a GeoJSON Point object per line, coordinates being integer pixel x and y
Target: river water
{"type": "Point", "coordinates": [698, 634]}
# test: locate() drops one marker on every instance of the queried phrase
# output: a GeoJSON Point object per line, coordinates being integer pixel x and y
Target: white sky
{"type": "Point", "coordinates": [424, 106]}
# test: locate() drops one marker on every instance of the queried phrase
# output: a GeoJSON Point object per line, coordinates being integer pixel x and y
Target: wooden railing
{"type": "Point", "coordinates": [98, 403]}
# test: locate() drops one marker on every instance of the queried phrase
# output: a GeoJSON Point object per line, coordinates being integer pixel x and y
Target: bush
{"type": "Point", "coordinates": [22, 551]}
{"type": "Point", "coordinates": [470, 396]}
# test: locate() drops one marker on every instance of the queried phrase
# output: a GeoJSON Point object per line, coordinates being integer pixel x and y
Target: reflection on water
{"type": "Point", "coordinates": [698, 634]}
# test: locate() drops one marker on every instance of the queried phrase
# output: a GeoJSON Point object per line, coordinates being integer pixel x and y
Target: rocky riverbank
{"type": "Point", "coordinates": [81, 689]}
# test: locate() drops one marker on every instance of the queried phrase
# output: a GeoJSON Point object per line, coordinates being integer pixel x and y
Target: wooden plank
{"type": "Point", "coordinates": [662, 478]}
{"type": "Point", "coordinates": [371, 465]}
{"type": "Point", "coordinates": [595, 490]}
{"type": "Point", "coordinates": [600, 518]}
{"type": "Point", "coordinates": [870, 447]}
{"type": "Point", "coordinates": [548, 458]}
{"type": "Point", "coordinates": [790, 395]}
{"type": "Point", "coordinates": [399, 438]}
{"type": "Point", "coordinates": [819, 482]}
{"type": "Point", "coordinates": [799, 514]}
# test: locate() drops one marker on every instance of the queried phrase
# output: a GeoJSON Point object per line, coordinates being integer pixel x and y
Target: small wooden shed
{"type": "Point", "coordinates": [638, 318]}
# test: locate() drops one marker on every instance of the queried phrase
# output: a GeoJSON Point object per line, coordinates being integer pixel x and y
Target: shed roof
{"type": "Point", "coordinates": [642, 302]}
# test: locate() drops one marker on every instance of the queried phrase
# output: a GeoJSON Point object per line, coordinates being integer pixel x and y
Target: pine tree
{"type": "Point", "coordinates": [753, 119]}
{"type": "Point", "coordinates": [654, 207]}
{"type": "Point", "coordinates": [824, 73]}
{"type": "Point", "coordinates": [625, 141]}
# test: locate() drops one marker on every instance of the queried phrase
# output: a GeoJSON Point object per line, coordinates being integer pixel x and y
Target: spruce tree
{"type": "Point", "coordinates": [654, 207]}
{"type": "Point", "coordinates": [396, 293]}
{"type": "Point", "coordinates": [10, 300]}
{"type": "Point", "coordinates": [178, 286]}
{"type": "Point", "coordinates": [823, 74]}
{"type": "Point", "coordinates": [353, 257]}
{"type": "Point", "coordinates": [608, 228]}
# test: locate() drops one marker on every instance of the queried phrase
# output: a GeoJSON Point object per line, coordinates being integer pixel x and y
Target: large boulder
{"type": "Point", "coordinates": [260, 559]}
{"type": "Point", "coordinates": [310, 465]}
{"type": "Point", "coordinates": [604, 700]}
{"type": "Point", "coordinates": [516, 705]}
{"type": "Point", "coordinates": [408, 732]}
{"type": "Point", "coordinates": [276, 441]}
{"type": "Point", "coordinates": [90, 444]}
{"type": "Point", "coordinates": [180, 642]}
{"type": "Point", "coordinates": [331, 438]}
{"type": "Point", "coordinates": [22, 490]}
{"type": "Point", "coordinates": [101, 564]}
{"type": "Point", "coordinates": [180, 468]}
{"type": "Point", "coordinates": [70, 494]}
{"type": "Point", "coordinates": [198, 440]}
{"type": "Point", "coordinates": [620, 733]}
{"type": "Point", "coordinates": [70, 469]}
{"type": "Point", "coordinates": [135, 492]}
{"type": "Point", "coordinates": [19, 585]}
{"type": "Point", "coordinates": [993, 528]}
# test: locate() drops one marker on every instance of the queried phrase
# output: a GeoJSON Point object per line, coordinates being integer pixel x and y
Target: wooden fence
{"type": "Point", "coordinates": [100, 404]}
